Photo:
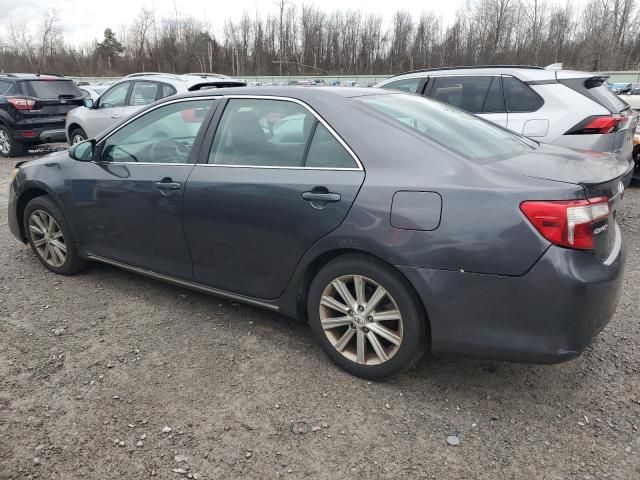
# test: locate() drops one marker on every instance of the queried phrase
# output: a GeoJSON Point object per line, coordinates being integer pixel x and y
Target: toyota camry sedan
{"type": "Point", "coordinates": [391, 223]}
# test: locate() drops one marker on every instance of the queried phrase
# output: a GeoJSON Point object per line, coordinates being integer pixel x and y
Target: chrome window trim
{"type": "Point", "coordinates": [359, 167]}
{"type": "Point", "coordinates": [315, 114]}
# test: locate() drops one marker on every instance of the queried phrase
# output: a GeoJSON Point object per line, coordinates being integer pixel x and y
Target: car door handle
{"type": "Point", "coordinates": [115, 116]}
{"type": "Point", "coordinates": [321, 197]}
{"type": "Point", "coordinates": [163, 185]}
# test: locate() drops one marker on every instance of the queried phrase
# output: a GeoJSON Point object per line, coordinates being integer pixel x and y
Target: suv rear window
{"type": "Point", "coordinates": [595, 89]}
{"type": "Point", "coordinates": [461, 132]}
{"type": "Point", "coordinates": [50, 88]}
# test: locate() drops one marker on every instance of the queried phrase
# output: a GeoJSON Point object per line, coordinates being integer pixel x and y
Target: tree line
{"type": "Point", "coordinates": [303, 39]}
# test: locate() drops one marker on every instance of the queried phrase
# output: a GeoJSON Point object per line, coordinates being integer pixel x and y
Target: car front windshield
{"type": "Point", "coordinates": [463, 133]}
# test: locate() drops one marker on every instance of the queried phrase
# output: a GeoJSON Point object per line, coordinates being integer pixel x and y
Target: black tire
{"type": "Point", "coordinates": [415, 340]}
{"type": "Point", "coordinates": [77, 132]}
{"type": "Point", "coordinates": [15, 149]}
{"type": "Point", "coordinates": [73, 263]}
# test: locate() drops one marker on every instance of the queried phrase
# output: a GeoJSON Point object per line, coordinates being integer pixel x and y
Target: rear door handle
{"type": "Point", "coordinates": [321, 197]}
{"type": "Point", "coordinates": [167, 185]}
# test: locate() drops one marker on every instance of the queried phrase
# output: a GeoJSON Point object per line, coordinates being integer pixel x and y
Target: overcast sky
{"type": "Point", "coordinates": [85, 20]}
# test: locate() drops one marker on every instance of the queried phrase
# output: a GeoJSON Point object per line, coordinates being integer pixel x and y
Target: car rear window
{"type": "Point", "coordinates": [595, 89]}
{"type": "Point", "coordinates": [50, 88]}
{"type": "Point", "coordinates": [463, 133]}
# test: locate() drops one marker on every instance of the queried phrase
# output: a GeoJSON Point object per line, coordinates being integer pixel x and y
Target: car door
{"type": "Point", "coordinates": [128, 201]}
{"type": "Point", "coordinates": [108, 109]}
{"type": "Point", "coordinates": [274, 181]}
{"type": "Point", "coordinates": [478, 94]}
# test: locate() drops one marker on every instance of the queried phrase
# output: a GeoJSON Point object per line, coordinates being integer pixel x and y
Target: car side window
{"type": "Point", "coordinates": [326, 152]}
{"type": "Point", "coordinates": [494, 103]}
{"type": "Point", "coordinates": [406, 85]}
{"type": "Point", "coordinates": [167, 90]}
{"type": "Point", "coordinates": [4, 86]}
{"type": "Point", "coordinates": [115, 97]}
{"type": "Point", "coordinates": [520, 97]}
{"type": "Point", "coordinates": [468, 93]}
{"type": "Point", "coordinates": [143, 93]}
{"type": "Point", "coordinates": [261, 132]}
{"type": "Point", "coordinates": [163, 135]}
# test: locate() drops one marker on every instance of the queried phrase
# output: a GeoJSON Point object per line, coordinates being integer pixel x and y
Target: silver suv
{"type": "Point", "coordinates": [551, 105]}
{"type": "Point", "coordinates": [127, 96]}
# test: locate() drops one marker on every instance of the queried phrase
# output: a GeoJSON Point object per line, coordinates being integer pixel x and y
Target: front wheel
{"type": "Point", "coordinates": [50, 237]}
{"type": "Point", "coordinates": [366, 317]}
{"type": "Point", "coordinates": [77, 135]}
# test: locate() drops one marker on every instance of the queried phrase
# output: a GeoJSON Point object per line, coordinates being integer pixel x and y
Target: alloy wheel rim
{"type": "Point", "coordinates": [361, 320]}
{"type": "Point", "coordinates": [5, 145]}
{"type": "Point", "coordinates": [77, 139]}
{"type": "Point", "coordinates": [47, 238]}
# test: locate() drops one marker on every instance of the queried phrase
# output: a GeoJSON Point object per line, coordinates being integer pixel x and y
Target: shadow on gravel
{"type": "Point", "coordinates": [473, 377]}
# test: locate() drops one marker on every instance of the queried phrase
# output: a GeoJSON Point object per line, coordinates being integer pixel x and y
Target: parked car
{"type": "Point", "coordinates": [462, 237]}
{"type": "Point", "coordinates": [619, 88]}
{"type": "Point", "coordinates": [92, 91]}
{"type": "Point", "coordinates": [33, 109]}
{"type": "Point", "coordinates": [632, 98]}
{"type": "Point", "coordinates": [561, 107]}
{"type": "Point", "coordinates": [132, 93]}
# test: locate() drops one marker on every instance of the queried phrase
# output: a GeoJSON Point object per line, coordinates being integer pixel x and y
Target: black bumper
{"type": "Point", "coordinates": [40, 135]}
{"type": "Point", "coordinates": [549, 315]}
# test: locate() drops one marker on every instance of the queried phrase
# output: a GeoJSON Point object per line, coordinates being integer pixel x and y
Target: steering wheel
{"type": "Point", "coordinates": [168, 150]}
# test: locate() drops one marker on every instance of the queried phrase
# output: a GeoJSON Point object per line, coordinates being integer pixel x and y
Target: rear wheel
{"type": "Point", "coordinates": [50, 237]}
{"type": "Point", "coordinates": [366, 317]}
{"type": "Point", "coordinates": [77, 135]}
{"type": "Point", "coordinates": [8, 146]}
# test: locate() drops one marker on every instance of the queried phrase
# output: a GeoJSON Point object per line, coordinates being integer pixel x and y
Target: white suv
{"type": "Point", "coordinates": [551, 105]}
{"type": "Point", "coordinates": [133, 92]}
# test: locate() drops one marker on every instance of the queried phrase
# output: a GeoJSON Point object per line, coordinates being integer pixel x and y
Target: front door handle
{"type": "Point", "coordinates": [167, 184]}
{"type": "Point", "coordinates": [321, 196]}
{"type": "Point", "coordinates": [115, 116]}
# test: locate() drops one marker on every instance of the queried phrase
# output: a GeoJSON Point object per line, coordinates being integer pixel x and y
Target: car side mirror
{"type": "Point", "coordinates": [88, 102]}
{"type": "Point", "coordinates": [83, 151]}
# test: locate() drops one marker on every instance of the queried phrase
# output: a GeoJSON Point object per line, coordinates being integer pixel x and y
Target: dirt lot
{"type": "Point", "coordinates": [94, 367]}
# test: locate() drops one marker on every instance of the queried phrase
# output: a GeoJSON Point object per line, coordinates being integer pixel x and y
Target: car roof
{"type": "Point", "coordinates": [188, 79]}
{"type": "Point", "coordinates": [522, 72]}
{"type": "Point", "coordinates": [303, 93]}
{"type": "Point", "coordinates": [32, 76]}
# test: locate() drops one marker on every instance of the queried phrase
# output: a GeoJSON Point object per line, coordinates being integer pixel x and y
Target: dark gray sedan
{"type": "Point", "coordinates": [393, 224]}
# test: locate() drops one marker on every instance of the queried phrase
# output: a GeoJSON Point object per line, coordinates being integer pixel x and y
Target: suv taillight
{"type": "Point", "coordinates": [599, 125]}
{"type": "Point", "coordinates": [567, 223]}
{"type": "Point", "coordinates": [22, 103]}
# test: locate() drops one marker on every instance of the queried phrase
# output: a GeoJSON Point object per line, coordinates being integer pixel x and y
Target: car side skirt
{"type": "Point", "coordinates": [185, 283]}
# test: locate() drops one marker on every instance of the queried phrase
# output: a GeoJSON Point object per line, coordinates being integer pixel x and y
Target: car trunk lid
{"type": "Point", "coordinates": [599, 174]}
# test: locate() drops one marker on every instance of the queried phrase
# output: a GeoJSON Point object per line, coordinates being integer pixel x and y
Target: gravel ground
{"type": "Point", "coordinates": [108, 375]}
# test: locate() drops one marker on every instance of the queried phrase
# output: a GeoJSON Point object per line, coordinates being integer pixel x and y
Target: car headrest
{"type": "Point", "coordinates": [246, 132]}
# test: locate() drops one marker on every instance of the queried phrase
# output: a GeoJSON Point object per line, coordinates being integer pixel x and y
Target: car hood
{"type": "Point", "coordinates": [561, 164]}
{"type": "Point", "coordinates": [45, 159]}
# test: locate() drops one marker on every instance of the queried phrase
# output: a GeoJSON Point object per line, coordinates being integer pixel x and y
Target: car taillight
{"type": "Point", "coordinates": [22, 103]}
{"type": "Point", "coordinates": [599, 125]}
{"type": "Point", "coordinates": [567, 223]}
